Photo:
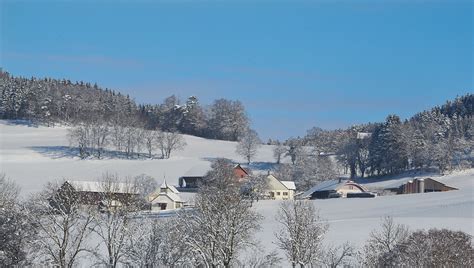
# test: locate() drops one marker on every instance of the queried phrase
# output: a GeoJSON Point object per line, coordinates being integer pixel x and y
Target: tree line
{"type": "Point", "coordinates": [50, 101]}
{"type": "Point", "coordinates": [54, 228]}
{"type": "Point", "coordinates": [442, 137]}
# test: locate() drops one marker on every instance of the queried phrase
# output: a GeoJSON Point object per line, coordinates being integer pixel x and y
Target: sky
{"type": "Point", "coordinates": [293, 64]}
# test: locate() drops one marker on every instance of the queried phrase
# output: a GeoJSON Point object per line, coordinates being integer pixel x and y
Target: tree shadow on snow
{"type": "Point", "coordinates": [57, 152]}
{"type": "Point", "coordinates": [20, 122]}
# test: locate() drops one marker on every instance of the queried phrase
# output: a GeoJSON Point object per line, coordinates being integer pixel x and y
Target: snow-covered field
{"type": "Point", "coordinates": [32, 156]}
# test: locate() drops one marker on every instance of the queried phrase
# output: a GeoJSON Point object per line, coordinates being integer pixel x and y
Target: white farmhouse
{"type": "Point", "coordinates": [279, 190]}
{"type": "Point", "coordinates": [165, 198]}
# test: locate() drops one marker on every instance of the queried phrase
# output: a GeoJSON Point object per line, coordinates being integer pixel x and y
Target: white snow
{"type": "Point", "coordinates": [32, 156]}
{"type": "Point", "coordinates": [97, 186]}
{"type": "Point", "coordinates": [290, 185]}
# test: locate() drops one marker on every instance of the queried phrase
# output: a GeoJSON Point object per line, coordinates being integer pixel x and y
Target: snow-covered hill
{"type": "Point", "coordinates": [33, 156]}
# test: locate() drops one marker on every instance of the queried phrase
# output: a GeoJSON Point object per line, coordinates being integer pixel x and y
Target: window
{"type": "Point", "coordinates": [285, 193]}
{"type": "Point", "coordinates": [278, 193]}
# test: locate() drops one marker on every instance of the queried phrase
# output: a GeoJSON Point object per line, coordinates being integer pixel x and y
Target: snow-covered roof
{"type": "Point", "coordinates": [165, 185]}
{"type": "Point", "coordinates": [198, 170]}
{"type": "Point", "coordinates": [173, 196]}
{"type": "Point", "coordinates": [289, 184]}
{"type": "Point", "coordinates": [170, 194]}
{"type": "Point", "coordinates": [329, 185]}
{"type": "Point", "coordinates": [99, 187]}
{"type": "Point", "coordinates": [240, 167]}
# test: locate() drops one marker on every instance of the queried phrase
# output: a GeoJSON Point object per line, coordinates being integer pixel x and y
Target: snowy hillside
{"type": "Point", "coordinates": [32, 156]}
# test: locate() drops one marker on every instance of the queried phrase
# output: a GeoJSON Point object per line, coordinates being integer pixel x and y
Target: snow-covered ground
{"type": "Point", "coordinates": [33, 156]}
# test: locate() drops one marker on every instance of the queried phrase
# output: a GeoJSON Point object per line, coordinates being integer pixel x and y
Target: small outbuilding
{"type": "Point", "coordinates": [165, 198]}
{"type": "Point", "coordinates": [333, 188]}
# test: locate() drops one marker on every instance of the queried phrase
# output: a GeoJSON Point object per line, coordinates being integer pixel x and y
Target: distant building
{"type": "Point", "coordinates": [93, 193]}
{"type": "Point", "coordinates": [422, 185]}
{"type": "Point", "coordinates": [279, 190]}
{"type": "Point", "coordinates": [165, 198]}
{"type": "Point", "coordinates": [240, 172]}
{"type": "Point", "coordinates": [333, 188]}
{"type": "Point", "coordinates": [193, 177]}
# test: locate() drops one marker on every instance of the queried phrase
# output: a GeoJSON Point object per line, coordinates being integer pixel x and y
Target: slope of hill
{"type": "Point", "coordinates": [32, 156]}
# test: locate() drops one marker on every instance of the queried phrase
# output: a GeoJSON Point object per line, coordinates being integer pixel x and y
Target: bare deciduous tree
{"type": "Point", "coordinates": [248, 145]}
{"type": "Point", "coordinates": [139, 139]}
{"type": "Point", "coordinates": [338, 256]}
{"type": "Point", "coordinates": [294, 149]}
{"type": "Point", "coordinates": [255, 187]}
{"type": "Point", "coordinates": [113, 223]}
{"type": "Point", "coordinates": [434, 248]}
{"type": "Point", "coordinates": [62, 224]}
{"type": "Point", "coordinates": [383, 242]}
{"type": "Point", "coordinates": [145, 185]}
{"type": "Point", "coordinates": [278, 151]}
{"type": "Point", "coordinates": [149, 138]}
{"type": "Point", "coordinates": [99, 137]}
{"type": "Point", "coordinates": [222, 224]}
{"type": "Point", "coordinates": [301, 233]}
{"type": "Point", "coordinates": [169, 142]}
{"type": "Point", "coordinates": [258, 259]}
{"type": "Point", "coordinates": [156, 243]}
{"type": "Point", "coordinates": [16, 232]}
{"type": "Point", "coordinates": [80, 136]}
{"type": "Point", "coordinates": [9, 191]}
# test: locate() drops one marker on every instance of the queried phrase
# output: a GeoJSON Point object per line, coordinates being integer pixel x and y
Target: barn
{"type": "Point", "coordinates": [423, 185]}
{"type": "Point", "coordinates": [333, 188]}
{"type": "Point", "coordinates": [93, 193]}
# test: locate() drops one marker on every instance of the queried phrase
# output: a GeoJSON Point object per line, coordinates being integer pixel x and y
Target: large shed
{"type": "Point", "coordinates": [333, 188]}
{"type": "Point", "coordinates": [423, 185]}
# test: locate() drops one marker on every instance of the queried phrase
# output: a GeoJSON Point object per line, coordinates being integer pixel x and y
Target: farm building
{"type": "Point", "coordinates": [94, 193]}
{"type": "Point", "coordinates": [333, 188]}
{"type": "Point", "coordinates": [422, 185]}
{"type": "Point", "coordinates": [165, 198]}
{"type": "Point", "coordinates": [193, 177]}
{"type": "Point", "coordinates": [279, 190]}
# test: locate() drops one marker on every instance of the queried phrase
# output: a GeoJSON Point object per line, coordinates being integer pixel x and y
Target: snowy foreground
{"type": "Point", "coordinates": [32, 156]}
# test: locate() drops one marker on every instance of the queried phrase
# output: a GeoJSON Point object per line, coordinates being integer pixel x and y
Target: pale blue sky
{"type": "Point", "coordinates": [294, 64]}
